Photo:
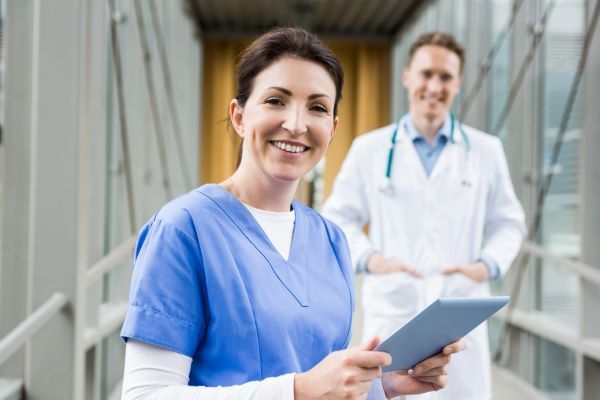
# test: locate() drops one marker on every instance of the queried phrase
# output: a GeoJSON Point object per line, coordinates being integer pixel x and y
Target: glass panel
{"type": "Point", "coordinates": [560, 231]}
{"type": "Point", "coordinates": [495, 327]}
{"type": "Point", "coordinates": [499, 76]}
{"type": "Point", "coordinates": [429, 22]}
{"type": "Point", "coordinates": [558, 290]}
{"type": "Point", "coordinates": [459, 30]}
{"type": "Point", "coordinates": [556, 370]}
{"type": "Point", "coordinates": [562, 50]}
{"type": "Point", "coordinates": [459, 22]}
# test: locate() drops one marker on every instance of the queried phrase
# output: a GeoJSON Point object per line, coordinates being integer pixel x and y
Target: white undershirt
{"type": "Point", "coordinates": [154, 373]}
{"type": "Point", "coordinates": [279, 227]}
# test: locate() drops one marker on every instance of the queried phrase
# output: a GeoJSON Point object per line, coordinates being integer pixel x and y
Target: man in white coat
{"type": "Point", "coordinates": [442, 213]}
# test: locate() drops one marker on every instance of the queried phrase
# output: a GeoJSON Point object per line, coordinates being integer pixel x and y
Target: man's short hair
{"type": "Point", "coordinates": [436, 38]}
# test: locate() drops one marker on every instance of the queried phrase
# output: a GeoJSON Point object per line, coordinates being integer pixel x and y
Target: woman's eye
{"type": "Point", "coordinates": [319, 108]}
{"type": "Point", "coordinates": [274, 101]}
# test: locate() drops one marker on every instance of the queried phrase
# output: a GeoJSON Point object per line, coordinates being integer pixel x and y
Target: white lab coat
{"type": "Point", "coordinates": [465, 209]}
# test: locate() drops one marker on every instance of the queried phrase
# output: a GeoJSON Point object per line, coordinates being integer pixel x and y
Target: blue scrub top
{"type": "Point", "coordinates": [208, 283]}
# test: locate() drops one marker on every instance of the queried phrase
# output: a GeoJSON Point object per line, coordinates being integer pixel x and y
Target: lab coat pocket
{"type": "Point", "coordinates": [459, 198]}
{"type": "Point", "coordinates": [458, 285]}
{"type": "Point", "coordinates": [391, 294]}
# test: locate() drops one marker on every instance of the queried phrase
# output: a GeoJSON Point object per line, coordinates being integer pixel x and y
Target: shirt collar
{"type": "Point", "coordinates": [414, 134]}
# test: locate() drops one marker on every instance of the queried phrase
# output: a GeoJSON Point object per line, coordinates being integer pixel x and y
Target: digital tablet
{"type": "Point", "coordinates": [443, 322]}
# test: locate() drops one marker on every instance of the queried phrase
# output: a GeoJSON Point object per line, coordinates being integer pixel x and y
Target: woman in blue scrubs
{"type": "Point", "coordinates": [241, 292]}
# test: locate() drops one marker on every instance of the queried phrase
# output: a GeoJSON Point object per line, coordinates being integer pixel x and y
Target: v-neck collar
{"type": "Point", "coordinates": [293, 272]}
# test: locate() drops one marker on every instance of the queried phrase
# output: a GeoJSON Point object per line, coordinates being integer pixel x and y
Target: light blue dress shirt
{"type": "Point", "coordinates": [429, 154]}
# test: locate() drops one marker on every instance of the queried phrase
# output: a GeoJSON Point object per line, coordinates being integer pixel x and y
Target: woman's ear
{"type": "Point", "coordinates": [335, 124]}
{"type": "Point", "coordinates": [236, 114]}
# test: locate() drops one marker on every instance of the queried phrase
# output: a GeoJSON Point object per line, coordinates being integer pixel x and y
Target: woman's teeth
{"type": "Point", "coordinates": [290, 148]}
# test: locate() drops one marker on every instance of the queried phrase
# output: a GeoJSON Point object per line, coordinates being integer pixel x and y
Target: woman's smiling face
{"type": "Point", "coordinates": [287, 121]}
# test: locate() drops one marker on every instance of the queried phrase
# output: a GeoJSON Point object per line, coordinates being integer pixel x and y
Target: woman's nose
{"type": "Point", "coordinates": [295, 121]}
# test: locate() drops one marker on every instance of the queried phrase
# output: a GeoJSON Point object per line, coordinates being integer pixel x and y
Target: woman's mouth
{"type": "Point", "coordinates": [290, 148]}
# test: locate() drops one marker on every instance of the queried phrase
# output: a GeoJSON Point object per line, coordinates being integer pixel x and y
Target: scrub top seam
{"type": "Point", "coordinates": [158, 343]}
{"type": "Point", "coordinates": [199, 272]}
{"type": "Point", "coordinates": [144, 308]}
{"type": "Point", "coordinates": [259, 250]}
{"type": "Point", "coordinates": [164, 221]}
{"type": "Point", "coordinates": [245, 288]}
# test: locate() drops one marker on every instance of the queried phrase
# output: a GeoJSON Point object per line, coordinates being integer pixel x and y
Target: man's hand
{"type": "Point", "coordinates": [477, 272]}
{"type": "Point", "coordinates": [429, 375]}
{"type": "Point", "coordinates": [378, 264]}
{"type": "Point", "coordinates": [345, 374]}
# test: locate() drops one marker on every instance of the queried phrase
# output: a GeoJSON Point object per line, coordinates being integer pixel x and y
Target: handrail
{"type": "Point", "coordinates": [585, 271]}
{"type": "Point", "coordinates": [109, 261]}
{"type": "Point", "coordinates": [10, 388]}
{"type": "Point", "coordinates": [111, 318]}
{"type": "Point", "coordinates": [16, 338]}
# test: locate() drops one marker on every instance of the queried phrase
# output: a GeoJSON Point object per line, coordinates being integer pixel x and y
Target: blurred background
{"type": "Point", "coordinates": [109, 108]}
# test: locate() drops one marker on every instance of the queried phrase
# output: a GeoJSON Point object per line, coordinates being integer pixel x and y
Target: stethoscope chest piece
{"type": "Point", "coordinates": [386, 187]}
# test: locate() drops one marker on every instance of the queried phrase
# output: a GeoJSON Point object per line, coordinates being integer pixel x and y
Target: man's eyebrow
{"type": "Point", "coordinates": [288, 92]}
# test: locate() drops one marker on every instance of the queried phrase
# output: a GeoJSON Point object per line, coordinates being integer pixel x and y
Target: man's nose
{"type": "Point", "coordinates": [434, 84]}
{"type": "Point", "coordinates": [295, 121]}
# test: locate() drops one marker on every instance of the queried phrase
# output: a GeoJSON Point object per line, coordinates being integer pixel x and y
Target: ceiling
{"type": "Point", "coordinates": [353, 19]}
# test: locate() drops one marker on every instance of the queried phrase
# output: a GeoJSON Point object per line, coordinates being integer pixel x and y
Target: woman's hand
{"type": "Point", "coordinates": [345, 374]}
{"type": "Point", "coordinates": [429, 375]}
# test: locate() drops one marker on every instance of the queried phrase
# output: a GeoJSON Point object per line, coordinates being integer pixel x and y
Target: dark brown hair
{"type": "Point", "coordinates": [441, 39]}
{"type": "Point", "coordinates": [285, 41]}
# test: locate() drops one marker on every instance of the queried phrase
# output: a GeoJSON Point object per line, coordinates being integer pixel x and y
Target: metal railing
{"type": "Point", "coordinates": [111, 316]}
{"type": "Point", "coordinates": [585, 271]}
{"type": "Point", "coordinates": [109, 261]}
{"type": "Point", "coordinates": [17, 338]}
{"type": "Point", "coordinates": [543, 325]}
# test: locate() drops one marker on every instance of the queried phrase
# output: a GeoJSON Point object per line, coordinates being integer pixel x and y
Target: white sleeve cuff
{"type": "Point", "coordinates": [154, 373]}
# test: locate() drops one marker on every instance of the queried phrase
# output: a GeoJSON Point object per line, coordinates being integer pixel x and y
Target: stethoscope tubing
{"type": "Point", "coordinates": [387, 186]}
{"type": "Point", "coordinates": [390, 161]}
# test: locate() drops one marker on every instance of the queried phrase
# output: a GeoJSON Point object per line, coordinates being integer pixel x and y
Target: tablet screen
{"type": "Point", "coordinates": [445, 321]}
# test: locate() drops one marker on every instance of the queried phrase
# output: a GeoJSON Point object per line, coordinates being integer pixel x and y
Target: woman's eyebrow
{"type": "Point", "coordinates": [317, 95]}
{"type": "Point", "coordinates": [288, 92]}
{"type": "Point", "coordinates": [285, 91]}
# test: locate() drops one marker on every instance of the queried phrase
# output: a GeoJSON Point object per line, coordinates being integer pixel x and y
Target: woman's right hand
{"type": "Point", "coordinates": [345, 374]}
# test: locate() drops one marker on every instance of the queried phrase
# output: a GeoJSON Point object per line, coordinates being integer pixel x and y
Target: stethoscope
{"type": "Point", "coordinates": [386, 186]}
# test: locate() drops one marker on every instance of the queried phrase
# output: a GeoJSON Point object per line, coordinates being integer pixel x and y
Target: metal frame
{"type": "Point", "coordinates": [589, 381]}
{"type": "Point", "coordinates": [55, 168]}
{"type": "Point", "coordinates": [30, 326]}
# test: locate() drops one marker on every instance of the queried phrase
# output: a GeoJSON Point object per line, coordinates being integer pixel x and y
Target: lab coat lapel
{"type": "Point", "coordinates": [446, 162]}
{"type": "Point", "coordinates": [293, 274]}
{"type": "Point", "coordinates": [408, 160]}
